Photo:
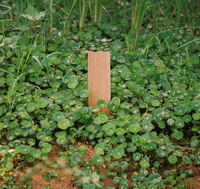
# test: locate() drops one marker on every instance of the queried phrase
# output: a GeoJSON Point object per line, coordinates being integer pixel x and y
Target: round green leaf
{"type": "Point", "coordinates": [42, 103]}
{"type": "Point", "coordinates": [63, 123]}
{"type": "Point", "coordinates": [117, 153]}
{"type": "Point", "coordinates": [158, 62]}
{"type": "Point", "coordinates": [134, 128]}
{"type": "Point", "coordinates": [4, 149]}
{"type": "Point", "coordinates": [172, 159]}
{"type": "Point", "coordinates": [180, 110]}
{"type": "Point", "coordinates": [186, 160]}
{"type": "Point", "coordinates": [84, 93]}
{"type": "Point", "coordinates": [144, 164]}
{"type": "Point", "coordinates": [196, 116]}
{"type": "Point", "coordinates": [155, 103]}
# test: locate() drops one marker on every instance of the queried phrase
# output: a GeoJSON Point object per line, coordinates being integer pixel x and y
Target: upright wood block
{"type": "Point", "coordinates": [99, 78]}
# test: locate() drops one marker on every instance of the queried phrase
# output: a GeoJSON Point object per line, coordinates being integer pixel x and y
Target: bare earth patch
{"type": "Point", "coordinates": [37, 180]}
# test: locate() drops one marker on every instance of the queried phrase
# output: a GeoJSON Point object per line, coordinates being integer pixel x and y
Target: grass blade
{"type": "Point", "coordinates": [83, 12]}
{"type": "Point", "coordinates": [178, 17]}
{"type": "Point", "coordinates": [64, 31]}
{"type": "Point", "coordinates": [124, 8]}
{"type": "Point", "coordinates": [127, 43]}
{"type": "Point", "coordinates": [51, 18]}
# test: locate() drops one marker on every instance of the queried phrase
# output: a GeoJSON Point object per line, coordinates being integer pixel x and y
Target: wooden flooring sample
{"type": "Point", "coordinates": [99, 78]}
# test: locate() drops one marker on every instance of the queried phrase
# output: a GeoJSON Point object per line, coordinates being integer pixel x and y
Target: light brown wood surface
{"type": "Point", "coordinates": [99, 78]}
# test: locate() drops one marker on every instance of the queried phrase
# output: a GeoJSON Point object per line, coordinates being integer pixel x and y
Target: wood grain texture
{"type": "Point", "coordinates": [99, 78]}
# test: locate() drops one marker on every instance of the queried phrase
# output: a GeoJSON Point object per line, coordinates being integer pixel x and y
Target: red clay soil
{"type": "Point", "coordinates": [38, 182]}
{"type": "Point", "coordinates": [195, 183]}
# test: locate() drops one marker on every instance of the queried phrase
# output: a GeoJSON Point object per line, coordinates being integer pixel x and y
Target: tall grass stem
{"type": "Point", "coordinates": [178, 17]}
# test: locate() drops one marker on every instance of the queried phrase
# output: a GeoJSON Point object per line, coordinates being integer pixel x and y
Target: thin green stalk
{"type": "Point", "coordinates": [154, 18]}
{"type": "Point", "coordinates": [192, 11]}
{"type": "Point", "coordinates": [95, 10]}
{"type": "Point", "coordinates": [3, 25]}
{"type": "Point", "coordinates": [27, 58]}
{"type": "Point", "coordinates": [186, 49]}
{"type": "Point", "coordinates": [127, 43]}
{"type": "Point", "coordinates": [17, 7]}
{"type": "Point", "coordinates": [100, 10]}
{"type": "Point", "coordinates": [10, 92]}
{"type": "Point", "coordinates": [83, 12]}
{"type": "Point", "coordinates": [134, 13]}
{"type": "Point", "coordinates": [124, 8]}
{"type": "Point", "coordinates": [20, 63]}
{"type": "Point", "coordinates": [47, 67]}
{"type": "Point", "coordinates": [167, 45]}
{"type": "Point", "coordinates": [6, 71]}
{"type": "Point", "coordinates": [138, 12]}
{"type": "Point", "coordinates": [51, 18]}
{"type": "Point", "coordinates": [65, 30]}
{"type": "Point", "coordinates": [187, 11]}
{"type": "Point", "coordinates": [135, 42]}
{"type": "Point", "coordinates": [178, 17]}
{"type": "Point", "coordinates": [114, 10]}
{"type": "Point", "coordinates": [11, 15]}
{"type": "Point", "coordinates": [45, 44]}
{"type": "Point", "coordinates": [146, 48]}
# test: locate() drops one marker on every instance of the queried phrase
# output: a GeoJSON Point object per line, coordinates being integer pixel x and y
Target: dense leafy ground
{"type": "Point", "coordinates": [149, 140]}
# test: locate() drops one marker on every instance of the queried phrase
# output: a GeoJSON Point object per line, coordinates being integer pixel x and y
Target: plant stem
{"type": "Point", "coordinates": [3, 26]}
{"type": "Point", "coordinates": [51, 19]}
{"type": "Point", "coordinates": [114, 9]}
{"type": "Point", "coordinates": [83, 13]}
{"type": "Point", "coordinates": [67, 24]}
{"type": "Point", "coordinates": [178, 18]}
{"type": "Point", "coordinates": [124, 8]}
{"type": "Point", "coordinates": [154, 18]}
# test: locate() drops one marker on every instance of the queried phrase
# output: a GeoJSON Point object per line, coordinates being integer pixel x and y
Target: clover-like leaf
{"type": "Point", "coordinates": [116, 101]}
{"type": "Point", "coordinates": [155, 103]}
{"type": "Point", "coordinates": [97, 160]}
{"type": "Point", "coordinates": [58, 115]}
{"type": "Point", "coordinates": [72, 84]}
{"type": "Point", "coordinates": [154, 178]}
{"type": "Point", "coordinates": [194, 141]}
{"type": "Point", "coordinates": [180, 110]}
{"type": "Point", "coordinates": [63, 123]}
{"type": "Point", "coordinates": [134, 128]}
{"type": "Point", "coordinates": [196, 116]}
{"type": "Point", "coordinates": [102, 104]}
{"type": "Point", "coordinates": [137, 156]}
{"type": "Point", "coordinates": [84, 93]}
{"type": "Point", "coordinates": [172, 159]}
{"type": "Point", "coordinates": [75, 158]}
{"type": "Point", "coordinates": [42, 102]}
{"type": "Point", "coordinates": [4, 149]}
{"type": "Point", "coordinates": [158, 62]}
{"type": "Point", "coordinates": [144, 164]}
{"type": "Point", "coordinates": [186, 160]}
{"type": "Point", "coordinates": [46, 148]}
